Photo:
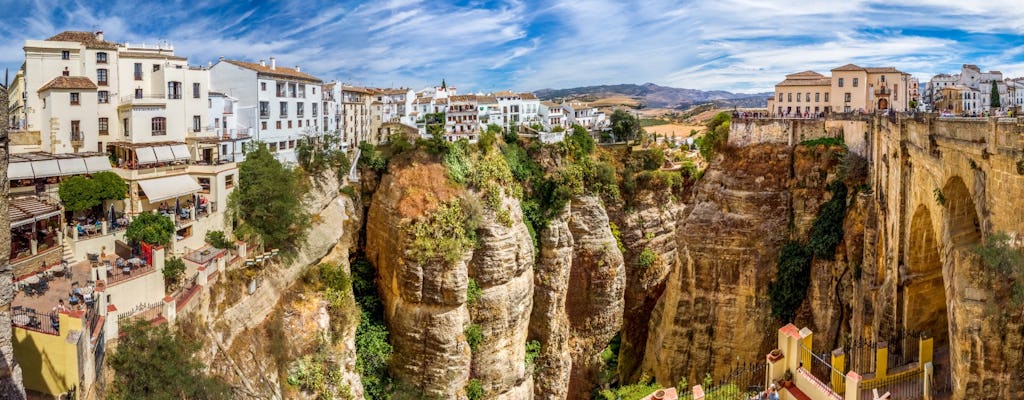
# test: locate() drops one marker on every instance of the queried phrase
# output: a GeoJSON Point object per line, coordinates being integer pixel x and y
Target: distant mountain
{"type": "Point", "coordinates": [650, 95]}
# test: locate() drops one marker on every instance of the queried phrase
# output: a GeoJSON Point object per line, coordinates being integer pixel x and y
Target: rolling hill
{"type": "Point", "coordinates": [650, 95]}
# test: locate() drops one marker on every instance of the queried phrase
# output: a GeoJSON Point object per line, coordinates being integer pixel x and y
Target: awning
{"type": "Point", "coordinates": [20, 170]}
{"type": "Point", "coordinates": [161, 189]}
{"type": "Point", "coordinates": [145, 155]}
{"type": "Point", "coordinates": [72, 166]}
{"type": "Point", "coordinates": [97, 164]}
{"type": "Point", "coordinates": [26, 210]}
{"type": "Point", "coordinates": [181, 152]}
{"type": "Point", "coordinates": [163, 153]}
{"type": "Point", "coordinates": [46, 168]}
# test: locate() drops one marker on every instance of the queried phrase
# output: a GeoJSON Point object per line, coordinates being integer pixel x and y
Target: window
{"type": "Point", "coordinates": [76, 132]}
{"type": "Point", "coordinates": [302, 90]}
{"type": "Point", "coordinates": [284, 109]}
{"type": "Point", "coordinates": [808, 97]}
{"type": "Point", "coordinates": [138, 71]}
{"type": "Point", "coordinates": [883, 78]}
{"type": "Point", "coordinates": [282, 145]}
{"type": "Point", "coordinates": [300, 123]}
{"type": "Point", "coordinates": [204, 183]}
{"type": "Point", "coordinates": [263, 125]}
{"type": "Point", "coordinates": [174, 90]}
{"type": "Point", "coordinates": [229, 180]}
{"type": "Point", "coordinates": [817, 97]}
{"type": "Point", "coordinates": [125, 124]}
{"type": "Point", "coordinates": [314, 109]}
{"type": "Point", "coordinates": [138, 93]}
{"type": "Point", "coordinates": [895, 92]}
{"type": "Point", "coordinates": [156, 67]}
{"type": "Point", "coordinates": [66, 72]}
{"type": "Point", "coordinates": [103, 97]}
{"type": "Point", "coordinates": [780, 97]}
{"type": "Point", "coordinates": [826, 97]}
{"type": "Point", "coordinates": [855, 81]}
{"type": "Point", "coordinates": [197, 123]}
{"type": "Point", "coordinates": [103, 126]}
{"type": "Point", "coordinates": [846, 97]}
{"type": "Point", "coordinates": [65, 55]}
{"type": "Point", "coordinates": [798, 97]}
{"type": "Point", "coordinates": [291, 90]}
{"type": "Point", "coordinates": [101, 58]}
{"type": "Point", "coordinates": [289, 124]}
{"type": "Point", "coordinates": [278, 124]}
{"type": "Point", "coordinates": [75, 98]}
{"type": "Point", "coordinates": [263, 86]}
{"type": "Point", "coordinates": [840, 82]}
{"type": "Point", "coordinates": [101, 77]}
{"type": "Point", "coordinates": [216, 122]}
{"type": "Point", "coordinates": [789, 96]}
{"type": "Point", "coordinates": [264, 109]}
{"type": "Point", "coordinates": [280, 89]}
{"type": "Point", "coordinates": [300, 110]}
{"type": "Point", "coordinates": [314, 89]}
{"type": "Point", "coordinates": [195, 90]}
{"type": "Point", "coordinates": [159, 126]}
{"type": "Point", "coordinates": [291, 144]}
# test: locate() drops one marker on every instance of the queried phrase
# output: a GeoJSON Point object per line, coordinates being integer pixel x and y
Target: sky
{"type": "Point", "coordinates": [480, 45]}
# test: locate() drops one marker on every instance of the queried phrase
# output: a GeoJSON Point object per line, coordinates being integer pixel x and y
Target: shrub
{"type": "Point", "coordinates": [348, 190]}
{"type": "Point", "coordinates": [174, 268]}
{"type": "Point", "coordinates": [473, 292]}
{"type": "Point", "coordinates": [219, 240]}
{"type": "Point", "coordinates": [653, 158]}
{"type": "Point", "coordinates": [618, 237]}
{"type": "Point", "coordinates": [370, 158]}
{"type": "Point", "coordinates": [474, 390]}
{"type": "Point", "coordinates": [647, 258]}
{"type": "Point", "coordinates": [827, 230]}
{"type": "Point", "coordinates": [792, 278]}
{"type": "Point", "coordinates": [715, 135]}
{"type": "Point", "coordinates": [151, 228]}
{"type": "Point", "coordinates": [474, 336]}
{"type": "Point", "coordinates": [444, 234]}
{"type": "Point", "coordinates": [636, 391]}
{"type": "Point", "coordinates": [532, 351]}
{"type": "Point", "coordinates": [456, 163]}
{"type": "Point", "coordinates": [827, 141]}
{"type": "Point", "coordinates": [268, 203]}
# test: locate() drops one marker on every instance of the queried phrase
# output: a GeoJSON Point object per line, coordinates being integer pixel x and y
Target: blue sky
{"type": "Point", "coordinates": [478, 45]}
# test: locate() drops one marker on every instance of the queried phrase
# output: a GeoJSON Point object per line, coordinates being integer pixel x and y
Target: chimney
{"type": "Point", "coordinates": [221, 58]}
{"type": "Point", "coordinates": [297, 69]}
{"type": "Point", "coordinates": [99, 36]}
{"type": "Point", "coordinates": [273, 64]}
{"type": "Point", "coordinates": [263, 63]}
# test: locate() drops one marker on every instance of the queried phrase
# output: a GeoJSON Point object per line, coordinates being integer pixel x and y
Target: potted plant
{"type": "Point", "coordinates": [787, 379]}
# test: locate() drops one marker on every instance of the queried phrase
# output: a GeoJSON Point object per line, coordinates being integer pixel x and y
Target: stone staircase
{"type": "Point", "coordinates": [68, 256]}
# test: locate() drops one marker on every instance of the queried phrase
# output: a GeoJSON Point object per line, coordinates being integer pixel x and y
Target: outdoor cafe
{"type": "Point", "coordinates": [34, 230]}
{"type": "Point", "coordinates": [174, 197]}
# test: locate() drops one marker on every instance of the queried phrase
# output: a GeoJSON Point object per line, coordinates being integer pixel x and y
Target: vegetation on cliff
{"type": "Point", "coordinates": [373, 349]}
{"type": "Point", "coordinates": [715, 136]}
{"type": "Point", "coordinates": [266, 204]}
{"type": "Point", "coordinates": [1005, 262]}
{"type": "Point", "coordinates": [317, 154]}
{"type": "Point", "coordinates": [151, 363]}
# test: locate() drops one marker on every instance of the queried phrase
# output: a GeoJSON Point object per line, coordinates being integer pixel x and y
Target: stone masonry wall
{"type": "Point", "coordinates": [10, 372]}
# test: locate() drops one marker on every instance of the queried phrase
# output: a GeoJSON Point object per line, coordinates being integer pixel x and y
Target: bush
{"type": "Point", "coordinates": [348, 190]}
{"type": "Point", "coordinates": [625, 126]}
{"type": "Point", "coordinates": [219, 240]}
{"type": "Point", "coordinates": [174, 268]}
{"type": "Point", "coordinates": [151, 363]}
{"type": "Point", "coordinates": [474, 336]}
{"type": "Point", "coordinates": [474, 390]}
{"type": "Point", "coordinates": [647, 258]}
{"type": "Point", "coordinates": [151, 228]}
{"type": "Point", "coordinates": [716, 135]}
{"type": "Point", "coordinates": [618, 237]}
{"type": "Point", "coordinates": [532, 351]}
{"type": "Point", "coordinates": [268, 203]}
{"type": "Point", "coordinates": [827, 230]}
{"type": "Point", "coordinates": [444, 234]}
{"type": "Point", "coordinates": [370, 158]}
{"type": "Point", "coordinates": [373, 349]}
{"type": "Point", "coordinates": [827, 141]}
{"type": "Point", "coordinates": [456, 162]}
{"type": "Point", "coordinates": [473, 292]}
{"type": "Point", "coordinates": [997, 254]}
{"type": "Point", "coordinates": [788, 290]}
{"type": "Point", "coordinates": [653, 158]}
{"type": "Point", "coordinates": [636, 391]}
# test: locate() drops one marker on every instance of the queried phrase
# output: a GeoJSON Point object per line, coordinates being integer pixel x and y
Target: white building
{"type": "Point", "coordinates": [226, 126]}
{"type": "Point", "coordinates": [974, 86]}
{"type": "Point", "coordinates": [552, 115]}
{"type": "Point", "coordinates": [463, 118]}
{"type": "Point", "coordinates": [285, 101]}
{"type": "Point", "coordinates": [583, 114]}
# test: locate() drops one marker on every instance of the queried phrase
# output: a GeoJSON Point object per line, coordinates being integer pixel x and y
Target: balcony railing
{"type": "Point", "coordinates": [144, 98]}
{"type": "Point", "coordinates": [77, 136]}
{"type": "Point", "coordinates": [883, 91]}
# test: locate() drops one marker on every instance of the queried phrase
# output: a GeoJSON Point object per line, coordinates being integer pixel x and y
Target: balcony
{"type": "Point", "coordinates": [883, 91]}
{"type": "Point", "coordinates": [150, 99]}
{"type": "Point", "coordinates": [77, 139]}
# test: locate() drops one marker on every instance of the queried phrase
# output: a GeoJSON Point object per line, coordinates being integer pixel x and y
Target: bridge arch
{"type": "Point", "coordinates": [923, 286]}
{"type": "Point", "coordinates": [963, 225]}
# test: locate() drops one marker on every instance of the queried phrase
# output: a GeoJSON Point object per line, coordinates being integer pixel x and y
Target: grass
{"type": "Point", "coordinates": [645, 122]}
{"type": "Point", "coordinates": [828, 141]}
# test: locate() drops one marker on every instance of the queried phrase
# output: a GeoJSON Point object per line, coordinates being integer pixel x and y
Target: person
{"type": "Point", "coordinates": [60, 305]}
{"type": "Point", "coordinates": [772, 394]}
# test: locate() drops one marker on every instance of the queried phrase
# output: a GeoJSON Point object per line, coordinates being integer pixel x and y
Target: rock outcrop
{"type": "Point", "coordinates": [10, 373]}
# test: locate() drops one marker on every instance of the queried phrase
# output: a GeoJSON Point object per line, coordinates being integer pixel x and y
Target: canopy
{"type": "Point", "coordinates": [97, 164]}
{"type": "Point", "coordinates": [72, 166]}
{"type": "Point", "coordinates": [46, 168]}
{"type": "Point", "coordinates": [145, 155]}
{"type": "Point", "coordinates": [161, 189]}
{"type": "Point", "coordinates": [20, 170]}
{"type": "Point", "coordinates": [26, 210]}
{"type": "Point", "coordinates": [181, 152]}
{"type": "Point", "coordinates": [163, 153]}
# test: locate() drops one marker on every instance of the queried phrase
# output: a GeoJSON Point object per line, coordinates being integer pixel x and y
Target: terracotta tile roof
{"type": "Point", "coordinates": [86, 38]}
{"type": "Point", "coordinates": [505, 93]}
{"type": "Point", "coordinates": [849, 67]}
{"type": "Point", "coordinates": [486, 100]}
{"type": "Point", "coordinates": [806, 82]}
{"type": "Point", "coordinates": [68, 82]}
{"type": "Point", "coordinates": [150, 55]}
{"type": "Point", "coordinates": [328, 87]}
{"type": "Point", "coordinates": [881, 69]}
{"type": "Point", "coordinates": [465, 97]}
{"type": "Point", "coordinates": [356, 89]}
{"type": "Point", "coordinates": [441, 101]}
{"type": "Point", "coordinates": [805, 75]}
{"type": "Point", "coordinates": [423, 100]}
{"type": "Point", "coordinates": [527, 96]}
{"type": "Point", "coordinates": [394, 91]}
{"type": "Point", "coordinates": [279, 71]}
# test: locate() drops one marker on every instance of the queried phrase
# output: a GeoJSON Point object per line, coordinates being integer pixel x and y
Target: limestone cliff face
{"type": "Point", "coordinates": [10, 372]}
{"type": "Point", "coordinates": [578, 299]}
{"type": "Point", "coordinates": [426, 305]}
{"type": "Point", "coordinates": [727, 245]}
{"type": "Point", "coordinates": [649, 226]}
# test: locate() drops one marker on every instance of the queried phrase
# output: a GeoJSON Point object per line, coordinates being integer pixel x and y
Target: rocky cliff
{"type": "Point", "coordinates": [10, 372]}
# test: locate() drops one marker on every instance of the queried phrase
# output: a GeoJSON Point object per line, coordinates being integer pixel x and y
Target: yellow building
{"type": "Point", "coordinates": [55, 360]}
{"type": "Point", "coordinates": [802, 93]}
{"type": "Point", "coordinates": [851, 88]}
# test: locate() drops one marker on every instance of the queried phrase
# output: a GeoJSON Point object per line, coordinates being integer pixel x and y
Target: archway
{"type": "Point", "coordinates": [883, 104]}
{"type": "Point", "coordinates": [923, 288]}
{"type": "Point", "coordinates": [964, 228]}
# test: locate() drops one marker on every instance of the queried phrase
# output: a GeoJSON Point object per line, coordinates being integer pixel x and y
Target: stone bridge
{"type": "Point", "coordinates": [939, 186]}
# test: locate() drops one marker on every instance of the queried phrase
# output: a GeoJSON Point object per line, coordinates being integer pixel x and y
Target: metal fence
{"type": "Point", "coordinates": [903, 348]}
{"type": "Point", "coordinates": [27, 318]}
{"type": "Point", "coordinates": [821, 369]}
{"type": "Point", "coordinates": [908, 386]}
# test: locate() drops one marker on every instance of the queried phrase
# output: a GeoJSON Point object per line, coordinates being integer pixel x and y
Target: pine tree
{"type": "Point", "coordinates": [443, 84]}
{"type": "Point", "coordinates": [994, 96]}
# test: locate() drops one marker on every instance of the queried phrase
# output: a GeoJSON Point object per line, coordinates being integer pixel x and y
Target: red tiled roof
{"type": "Point", "coordinates": [849, 67]}
{"type": "Point", "coordinates": [149, 55]}
{"type": "Point", "coordinates": [806, 82]}
{"type": "Point", "coordinates": [881, 69]}
{"type": "Point", "coordinates": [68, 82]}
{"type": "Point", "coordinates": [527, 96]}
{"type": "Point", "coordinates": [466, 97]}
{"type": "Point", "coordinates": [278, 71]}
{"type": "Point", "coordinates": [87, 38]}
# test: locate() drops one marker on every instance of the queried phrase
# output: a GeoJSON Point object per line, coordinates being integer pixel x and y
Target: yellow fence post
{"type": "Point", "coordinates": [805, 356]}
{"type": "Point", "coordinates": [925, 350]}
{"type": "Point", "coordinates": [838, 366]}
{"type": "Point", "coordinates": [881, 360]}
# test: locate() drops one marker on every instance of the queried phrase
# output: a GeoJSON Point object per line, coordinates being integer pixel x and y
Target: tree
{"type": "Point", "coordinates": [110, 186]}
{"type": "Point", "coordinates": [792, 279]}
{"type": "Point", "coordinates": [151, 228]}
{"type": "Point", "coordinates": [994, 96]}
{"type": "Point", "coordinates": [625, 126]}
{"type": "Point", "coordinates": [716, 134]}
{"type": "Point", "coordinates": [219, 240]}
{"type": "Point", "coordinates": [174, 268]}
{"type": "Point", "coordinates": [151, 363]}
{"type": "Point", "coordinates": [267, 201]}
{"type": "Point", "coordinates": [78, 193]}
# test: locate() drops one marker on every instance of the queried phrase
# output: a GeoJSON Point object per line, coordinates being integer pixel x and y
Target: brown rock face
{"type": "Point", "coordinates": [727, 245]}
{"type": "Point", "coordinates": [10, 373]}
{"type": "Point", "coordinates": [578, 299]}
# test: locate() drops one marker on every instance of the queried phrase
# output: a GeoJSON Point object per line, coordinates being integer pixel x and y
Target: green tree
{"type": "Point", "coordinates": [219, 240]}
{"type": "Point", "coordinates": [789, 289]}
{"type": "Point", "coordinates": [151, 363]}
{"type": "Point", "coordinates": [715, 135]}
{"type": "Point", "coordinates": [151, 228]}
{"type": "Point", "coordinates": [625, 126]}
{"type": "Point", "coordinates": [267, 201]}
{"type": "Point", "coordinates": [994, 96]}
{"type": "Point", "coordinates": [110, 186]}
{"type": "Point", "coordinates": [174, 268]}
{"type": "Point", "coordinates": [78, 193]}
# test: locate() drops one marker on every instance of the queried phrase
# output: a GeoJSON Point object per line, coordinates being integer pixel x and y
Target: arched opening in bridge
{"type": "Point", "coordinates": [964, 228]}
{"type": "Point", "coordinates": [883, 104]}
{"type": "Point", "coordinates": [924, 293]}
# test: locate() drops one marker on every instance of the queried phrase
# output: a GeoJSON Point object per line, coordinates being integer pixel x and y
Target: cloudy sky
{"type": "Point", "coordinates": [479, 45]}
